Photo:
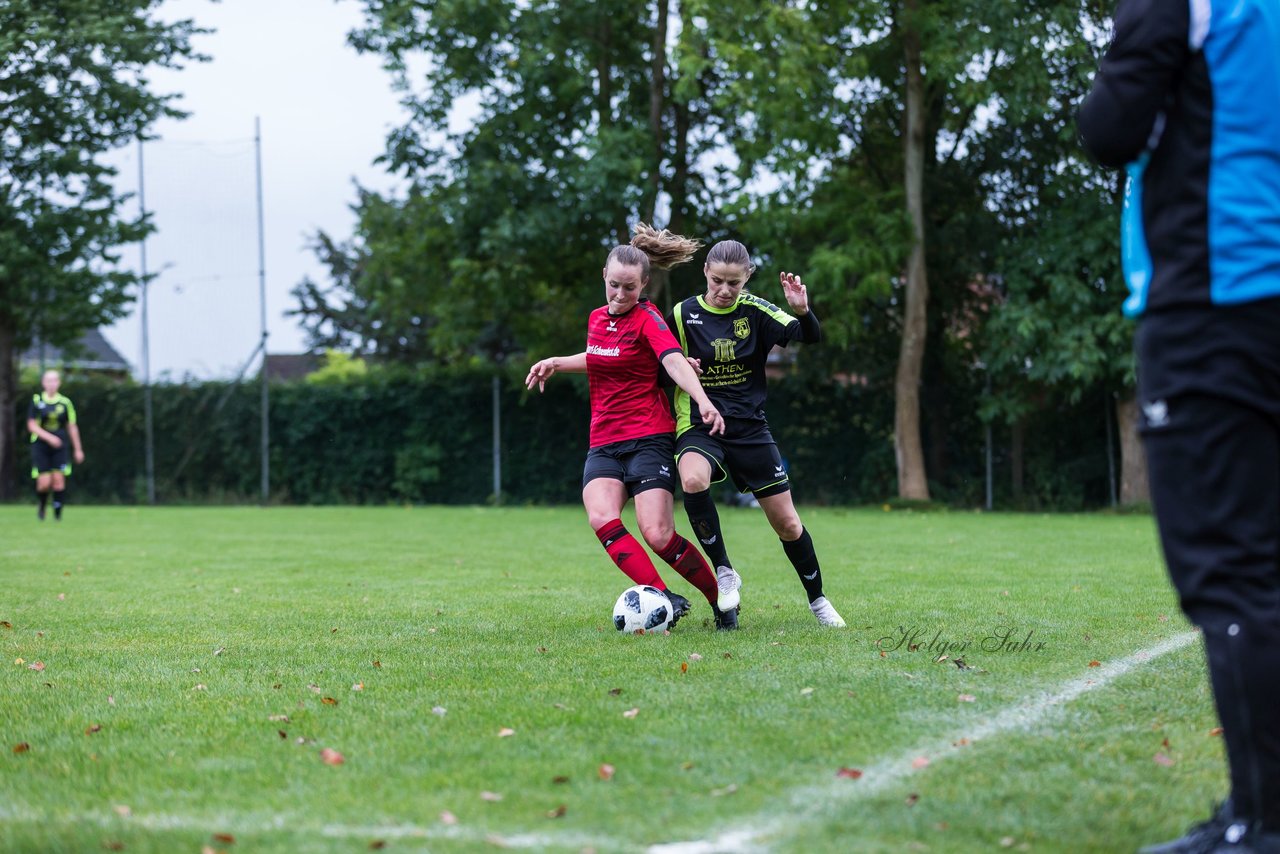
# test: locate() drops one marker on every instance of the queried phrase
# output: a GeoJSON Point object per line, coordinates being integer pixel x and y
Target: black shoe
{"type": "Point", "coordinates": [57, 513]}
{"type": "Point", "coordinates": [1201, 839]}
{"type": "Point", "coordinates": [726, 621]}
{"type": "Point", "coordinates": [679, 607]}
{"type": "Point", "coordinates": [40, 513]}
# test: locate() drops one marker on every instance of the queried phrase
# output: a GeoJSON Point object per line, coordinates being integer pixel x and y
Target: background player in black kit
{"type": "Point", "coordinates": [52, 421]}
{"type": "Point", "coordinates": [728, 334]}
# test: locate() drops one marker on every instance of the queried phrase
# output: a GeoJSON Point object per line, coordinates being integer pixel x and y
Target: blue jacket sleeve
{"type": "Point", "coordinates": [1135, 79]}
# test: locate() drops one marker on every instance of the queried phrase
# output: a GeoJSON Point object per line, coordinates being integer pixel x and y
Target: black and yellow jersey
{"type": "Point", "coordinates": [52, 414]}
{"type": "Point", "coordinates": [733, 344]}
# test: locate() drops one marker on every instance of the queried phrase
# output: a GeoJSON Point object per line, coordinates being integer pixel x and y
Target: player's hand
{"type": "Point", "coordinates": [712, 418]}
{"type": "Point", "coordinates": [540, 373]}
{"type": "Point", "coordinates": [696, 364]}
{"type": "Point", "coordinates": [795, 292]}
{"type": "Point", "coordinates": [79, 457]}
{"type": "Point", "coordinates": [54, 440]}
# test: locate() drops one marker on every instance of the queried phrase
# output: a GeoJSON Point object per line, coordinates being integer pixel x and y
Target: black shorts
{"type": "Point", "coordinates": [753, 462]}
{"type": "Point", "coordinates": [47, 458]}
{"type": "Point", "coordinates": [641, 464]}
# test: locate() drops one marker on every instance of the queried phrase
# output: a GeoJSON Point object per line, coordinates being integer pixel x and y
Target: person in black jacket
{"type": "Point", "coordinates": [1187, 99]}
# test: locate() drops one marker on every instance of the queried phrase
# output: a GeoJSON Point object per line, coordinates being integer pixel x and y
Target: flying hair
{"type": "Point", "coordinates": [662, 249]}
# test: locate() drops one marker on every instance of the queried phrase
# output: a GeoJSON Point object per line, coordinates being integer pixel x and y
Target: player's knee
{"type": "Point", "coordinates": [656, 534]}
{"type": "Point", "coordinates": [599, 518]}
{"type": "Point", "coordinates": [788, 528]}
{"type": "Point", "coordinates": [695, 482]}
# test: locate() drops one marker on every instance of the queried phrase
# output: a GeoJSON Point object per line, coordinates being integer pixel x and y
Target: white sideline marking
{"type": "Point", "coordinates": [807, 801]}
{"type": "Point", "coordinates": [802, 803]}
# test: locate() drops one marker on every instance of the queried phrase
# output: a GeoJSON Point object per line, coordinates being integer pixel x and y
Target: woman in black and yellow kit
{"type": "Point", "coordinates": [727, 334]}
{"type": "Point", "coordinates": [52, 421]}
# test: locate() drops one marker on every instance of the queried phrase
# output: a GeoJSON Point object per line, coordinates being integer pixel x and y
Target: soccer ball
{"type": "Point", "coordinates": [642, 609]}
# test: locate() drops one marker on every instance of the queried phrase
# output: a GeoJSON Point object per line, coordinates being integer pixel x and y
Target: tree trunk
{"type": "Point", "coordinates": [1133, 459]}
{"type": "Point", "coordinates": [604, 103]}
{"type": "Point", "coordinates": [912, 480]}
{"type": "Point", "coordinates": [657, 105]}
{"type": "Point", "coordinates": [8, 395]}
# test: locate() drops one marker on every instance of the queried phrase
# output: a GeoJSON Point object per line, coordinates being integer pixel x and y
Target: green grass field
{"type": "Point", "coordinates": [197, 663]}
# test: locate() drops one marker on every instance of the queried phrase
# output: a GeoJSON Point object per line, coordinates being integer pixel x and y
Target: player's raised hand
{"type": "Point", "coordinates": [540, 373]}
{"type": "Point", "coordinates": [795, 292]}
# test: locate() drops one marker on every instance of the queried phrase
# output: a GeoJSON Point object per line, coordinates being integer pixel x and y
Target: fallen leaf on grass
{"type": "Point", "coordinates": [448, 818]}
{"type": "Point", "coordinates": [6, 624]}
{"type": "Point", "coordinates": [377, 845]}
{"type": "Point", "coordinates": [606, 772]}
{"type": "Point", "coordinates": [960, 664]}
{"type": "Point", "coordinates": [359, 686]}
{"type": "Point", "coordinates": [727, 790]}
{"type": "Point", "coordinates": [506, 732]}
{"type": "Point", "coordinates": [961, 743]}
{"type": "Point", "coordinates": [122, 810]}
{"type": "Point", "coordinates": [438, 711]}
{"type": "Point", "coordinates": [329, 756]}
{"type": "Point", "coordinates": [1165, 744]}
{"type": "Point", "coordinates": [1095, 663]}
{"type": "Point", "coordinates": [315, 689]}
{"type": "Point", "coordinates": [804, 692]}
{"type": "Point", "coordinates": [966, 698]}
{"type": "Point", "coordinates": [912, 799]}
{"type": "Point", "coordinates": [849, 773]}
{"type": "Point", "coordinates": [941, 659]}
{"type": "Point", "coordinates": [1162, 759]}
{"type": "Point", "coordinates": [37, 666]}
{"type": "Point", "coordinates": [111, 701]}
{"type": "Point", "coordinates": [21, 747]}
{"type": "Point", "coordinates": [1216, 731]}
{"type": "Point", "coordinates": [684, 667]}
{"type": "Point", "coordinates": [558, 812]}
{"type": "Point", "coordinates": [559, 779]}
{"type": "Point", "coordinates": [542, 649]}
{"type": "Point", "coordinates": [224, 838]}
{"type": "Point", "coordinates": [282, 733]}
{"type": "Point", "coordinates": [377, 664]}
{"type": "Point", "coordinates": [1007, 842]}
{"type": "Point", "coordinates": [113, 845]}
{"type": "Point", "coordinates": [615, 691]}
{"type": "Point", "coordinates": [220, 650]}
{"type": "Point", "coordinates": [280, 718]}
{"type": "Point", "coordinates": [920, 762]}
{"type": "Point", "coordinates": [630, 713]}
{"type": "Point", "coordinates": [329, 701]}
{"type": "Point", "coordinates": [728, 655]}
{"type": "Point", "coordinates": [62, 597]}
{"type": "Point", "coordinates": [199, 687]}
{"type": "Point", "coordinates": [19, 661]}
{"type": "Point", "coordinates": [693, 656]}
{"type": "Point", "coordinates": [92, 728]}
{"type": "Point", "coordinates": [491, 797]}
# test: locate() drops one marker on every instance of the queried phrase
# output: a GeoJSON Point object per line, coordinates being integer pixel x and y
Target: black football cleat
{"type": "Point", "coordinates": [726, 620]}
{"type": "Point", "coordinates": [1203, 838]}
{"type": "Point", "coordinates": [679, 607]}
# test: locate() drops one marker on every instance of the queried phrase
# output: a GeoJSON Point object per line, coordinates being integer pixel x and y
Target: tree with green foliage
{"type": "Point", "coordinates": [72, 88]}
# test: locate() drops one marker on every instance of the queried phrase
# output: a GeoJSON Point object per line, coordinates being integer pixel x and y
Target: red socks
{"type": "Point", "coordinates": [688, 561]}
{"type": "Point", "coordinates": [629, 555]}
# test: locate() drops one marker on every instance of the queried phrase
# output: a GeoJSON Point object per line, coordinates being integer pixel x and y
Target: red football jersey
{"type": "Point", "coordinates": [623, 353]}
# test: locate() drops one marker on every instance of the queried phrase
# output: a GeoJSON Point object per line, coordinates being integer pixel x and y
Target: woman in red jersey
{"type": "Point", "coordinates": [632, 451]}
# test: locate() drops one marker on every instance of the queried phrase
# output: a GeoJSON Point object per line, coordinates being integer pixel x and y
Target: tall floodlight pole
{"type": "Point", "coordinates": [262, 307]}
{"type": "Point", "coordinates": [146, 343]}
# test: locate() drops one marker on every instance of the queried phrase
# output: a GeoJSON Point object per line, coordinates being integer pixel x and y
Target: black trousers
{"type": "Point", "coordinates": [1209, 389]}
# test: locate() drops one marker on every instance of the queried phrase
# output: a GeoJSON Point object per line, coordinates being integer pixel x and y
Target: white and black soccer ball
{"type": "Point", "coordinates": [642, 609]}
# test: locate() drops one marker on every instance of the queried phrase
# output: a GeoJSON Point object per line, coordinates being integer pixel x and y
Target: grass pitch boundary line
{"type": "Point", "coordinates": [810, 802]}
{"type": "Point", "coordinates": [755, 833]}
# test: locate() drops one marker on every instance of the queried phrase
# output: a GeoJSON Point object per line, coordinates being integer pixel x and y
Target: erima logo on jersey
{"type": "Point", "coordinates": [692, 322]}
{"type": "Point", "coordinates": [1156, 413]}
{"type": "Point", "coordinates": [778, 470]}
{"type": "Point", "coordinates": [694, 316]}
{"type": "Point", "coordinates": [596, 350]}
{"type": "Point", "coordinates": [613, 326]}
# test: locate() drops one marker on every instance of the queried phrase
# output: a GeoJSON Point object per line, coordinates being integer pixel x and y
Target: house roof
{"type": "Point", "coordinates": [91, 352]}
{"type": "Point", "coordinates": [286, 367]}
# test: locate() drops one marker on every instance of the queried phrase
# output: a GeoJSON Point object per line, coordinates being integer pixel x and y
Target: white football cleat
{"type": "Point", "coordinates": [826, 613]}
{"type": "Point", "coordinates": [728, 582]}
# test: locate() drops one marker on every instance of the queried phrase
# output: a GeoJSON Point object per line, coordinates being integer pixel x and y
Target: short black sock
{"type": "Point", "coordinates": [59, 498]}
{"type": "Point", "coordinates": [802, 556]}
{"type": "Point", "coordinates": [44, 499]}
{"type": "Point", "coordinates": [705, 521]}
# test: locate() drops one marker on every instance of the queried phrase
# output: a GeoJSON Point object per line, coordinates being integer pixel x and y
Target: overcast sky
{"type": "Point", "coordinates": [325, 112]}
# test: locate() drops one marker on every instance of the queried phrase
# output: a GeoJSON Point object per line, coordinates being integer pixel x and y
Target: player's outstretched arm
{"type": "Point", "coordinates": [682, 372]}
{"type": "Point", "coordinates": [542, 371]}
